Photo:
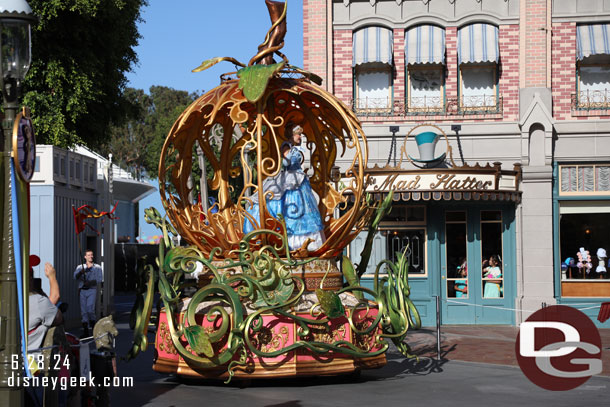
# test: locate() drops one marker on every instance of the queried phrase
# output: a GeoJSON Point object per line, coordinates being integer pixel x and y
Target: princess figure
{"type": "Point", "coordinates": [289, 194]}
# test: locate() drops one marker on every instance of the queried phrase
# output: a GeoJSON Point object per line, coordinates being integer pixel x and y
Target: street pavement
{"type": "Point", "coordinates": [477, 367]}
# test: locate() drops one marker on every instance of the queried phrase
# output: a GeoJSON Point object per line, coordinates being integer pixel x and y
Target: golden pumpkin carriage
{"type": "Point", "coordinates": [258, 307]}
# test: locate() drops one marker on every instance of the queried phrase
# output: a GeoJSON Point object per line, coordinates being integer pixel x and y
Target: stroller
{"type": "Point", "coordinates": [65, 357]}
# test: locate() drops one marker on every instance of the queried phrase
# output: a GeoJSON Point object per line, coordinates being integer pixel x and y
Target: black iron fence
{"type": "Point", "coordinates": [429, 106]}
{"type": "Point", "coordinates": [591, 100]}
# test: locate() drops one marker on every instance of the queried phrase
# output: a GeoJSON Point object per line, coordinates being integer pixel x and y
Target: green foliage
{"type": "Point", "coordinates": [253, 79]}
{"type": "Point", "coordinates": [242, 329]}
{"type": "Point", "coordinates": [330, 303]}
{"type": "Point", "coordinates": [350, 276]}
{"type": "Point", "coordinates": [208, 63]}
{"type": "Point", "coordinates": [199, 340]}
{"type": "Point", "coordinates": [136, 145]}
{"type": "Point", "coordinates": [393, 291]}
{"type": "Point", "coordinates": [81, 50]}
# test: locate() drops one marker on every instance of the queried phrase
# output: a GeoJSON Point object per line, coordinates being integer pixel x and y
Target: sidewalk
{"type": "Point", "coordinates": [482, 344]}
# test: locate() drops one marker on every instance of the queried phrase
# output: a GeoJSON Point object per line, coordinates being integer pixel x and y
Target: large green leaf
{"type": "Point", "coordinates": [213, 61]}
{"type": "Point", "coordinates": [253, 79]}
{"type": "Point", "coordinates": [199, 340]}
{"type": "Point", "coordinates": [330, 303]}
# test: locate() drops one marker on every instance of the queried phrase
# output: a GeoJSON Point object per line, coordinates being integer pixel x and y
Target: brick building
{"type": "Point", "coordinates": [521, 87]}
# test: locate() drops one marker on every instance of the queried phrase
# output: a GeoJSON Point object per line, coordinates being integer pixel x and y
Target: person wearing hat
{"type": "Point", "coordinates": [43, 314]}
{"type": "Point", "coordinates": [88, 276]}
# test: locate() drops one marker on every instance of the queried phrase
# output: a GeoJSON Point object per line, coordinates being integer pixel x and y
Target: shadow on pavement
{"type": "Point", "coordinates": [291, 403]}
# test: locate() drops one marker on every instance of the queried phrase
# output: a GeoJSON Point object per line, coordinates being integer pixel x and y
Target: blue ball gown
{"type": "Point", "coordinates": [292, 197]}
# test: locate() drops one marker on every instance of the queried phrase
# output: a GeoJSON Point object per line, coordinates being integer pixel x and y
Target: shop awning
{"type": "Point", "coordinates": [372, 44]}
{"type": "Point", "coordinates": [478, 43]}
{"type": "Point", "coordinates": [425, 44]}
{"type": "Point", "coordinates": [592, 39]}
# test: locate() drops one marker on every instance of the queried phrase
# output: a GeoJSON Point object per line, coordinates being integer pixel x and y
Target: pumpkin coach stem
{"type": "Point", "coordinates": [274, 40]}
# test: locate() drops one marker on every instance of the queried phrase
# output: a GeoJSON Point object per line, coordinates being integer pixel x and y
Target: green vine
{"type": "Point", "coordinates": [241, 290]}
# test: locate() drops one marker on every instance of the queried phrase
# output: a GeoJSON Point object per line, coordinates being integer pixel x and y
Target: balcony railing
{"type": "Point", "coordinates": [429, 106]}
{"type": "Point", "coordinates": [591, 100]}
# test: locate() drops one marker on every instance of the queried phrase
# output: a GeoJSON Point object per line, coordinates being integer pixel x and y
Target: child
{"type": "Point", "coordinates": [491, 273]}
{"type": "Point", "coordinates": [461, 286]}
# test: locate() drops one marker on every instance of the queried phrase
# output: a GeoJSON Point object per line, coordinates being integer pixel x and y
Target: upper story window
{"type": "Point", "coordinates": [478, 57]}
{"type": "Point", "coordinates": [372, 62]}
{"type": "Point", "coordinates": [593, 69]}
{"type": "Point", "coordinates": [425, 60]}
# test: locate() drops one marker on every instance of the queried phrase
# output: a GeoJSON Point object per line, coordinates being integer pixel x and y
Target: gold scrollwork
{"type": "Point", "coordinates": [269, 340]}
{"type": "Point", "coordinates": [165, 340]}
{"type": "Point", "coordinates": [326, 335]}
{"type": "Point", "coordinates": [366, 341]}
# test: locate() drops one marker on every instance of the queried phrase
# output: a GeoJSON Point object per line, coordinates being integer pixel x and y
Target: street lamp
{"type": "Point", "coordinates": [15, 57]}
{"type": "Point", "coordinates": [15, 53]}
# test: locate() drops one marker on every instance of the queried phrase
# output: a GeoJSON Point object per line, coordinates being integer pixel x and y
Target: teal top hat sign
{"type": "Point", "coordinates": [426, 143]}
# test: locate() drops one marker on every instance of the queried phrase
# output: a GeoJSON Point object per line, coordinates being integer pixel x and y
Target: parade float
{"type": "Point", "coordinates": [249, 296]}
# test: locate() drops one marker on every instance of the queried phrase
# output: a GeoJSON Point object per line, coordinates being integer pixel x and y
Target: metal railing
{"type": "Point", "coordinates": [591, 100]}
{"type": "Point", "coordinates": [429, 106]}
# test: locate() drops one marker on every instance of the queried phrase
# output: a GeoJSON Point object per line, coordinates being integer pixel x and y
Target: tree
{"type": "Point", "coordinates": [81, 50]}
{"type": "Point", "coordinates": [136, 145]}
{"type": "Point", "coordinates": [128, 143]}
{"type": "Point", "coordinates": [168, 105]}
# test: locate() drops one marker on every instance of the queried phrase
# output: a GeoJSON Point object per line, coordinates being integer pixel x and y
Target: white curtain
{"type": "Point", "coordinates": [425, 88]}
{"type": "Point", "coordinates": [603, 178]}
{"type": "Point", "coordinates": [374, 90]}
{"type": "Point", "coordinates": [586, 181]}
{"type": "Point", "coordinates": [594, 84]}
{"type": "Point", "coordinates": [568, 179]}
{"type": "Point", "coordinates": [478, 86]}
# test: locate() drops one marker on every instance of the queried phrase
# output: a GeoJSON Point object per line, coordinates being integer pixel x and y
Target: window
{"type": "Point", "coordinates": [492, 257]}
{"type": "Point", "coordinates": [403, 228]}
{"type": "Point", "coordinates": [425, 60]}
{"type": "Point", "coordinates": [478, 86]}
{"type": "Point", "coordinates": [594, 82]}
{"type": "Point", "coordinates": [593, 69]}
{"type": "Point", "coordinates": [373, 87]}
{"type": "Point", "coordinates": [372, 63]}
{"type": "Point", "coordinates": [411, 242]}
{"type": "Point", "coordinates": [426, 91]}
{"type": "Point", "coordinates": [478, 58]}
{"type": "Point", "coordinates": [456, 254]}
{"type": "Point", "coordinates": [584, 240]}
{"type": "Point", "coordinates": [591, 179]}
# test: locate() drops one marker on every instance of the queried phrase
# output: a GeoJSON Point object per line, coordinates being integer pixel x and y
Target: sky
{"type": "Point", "coordinates": [178, 35]}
